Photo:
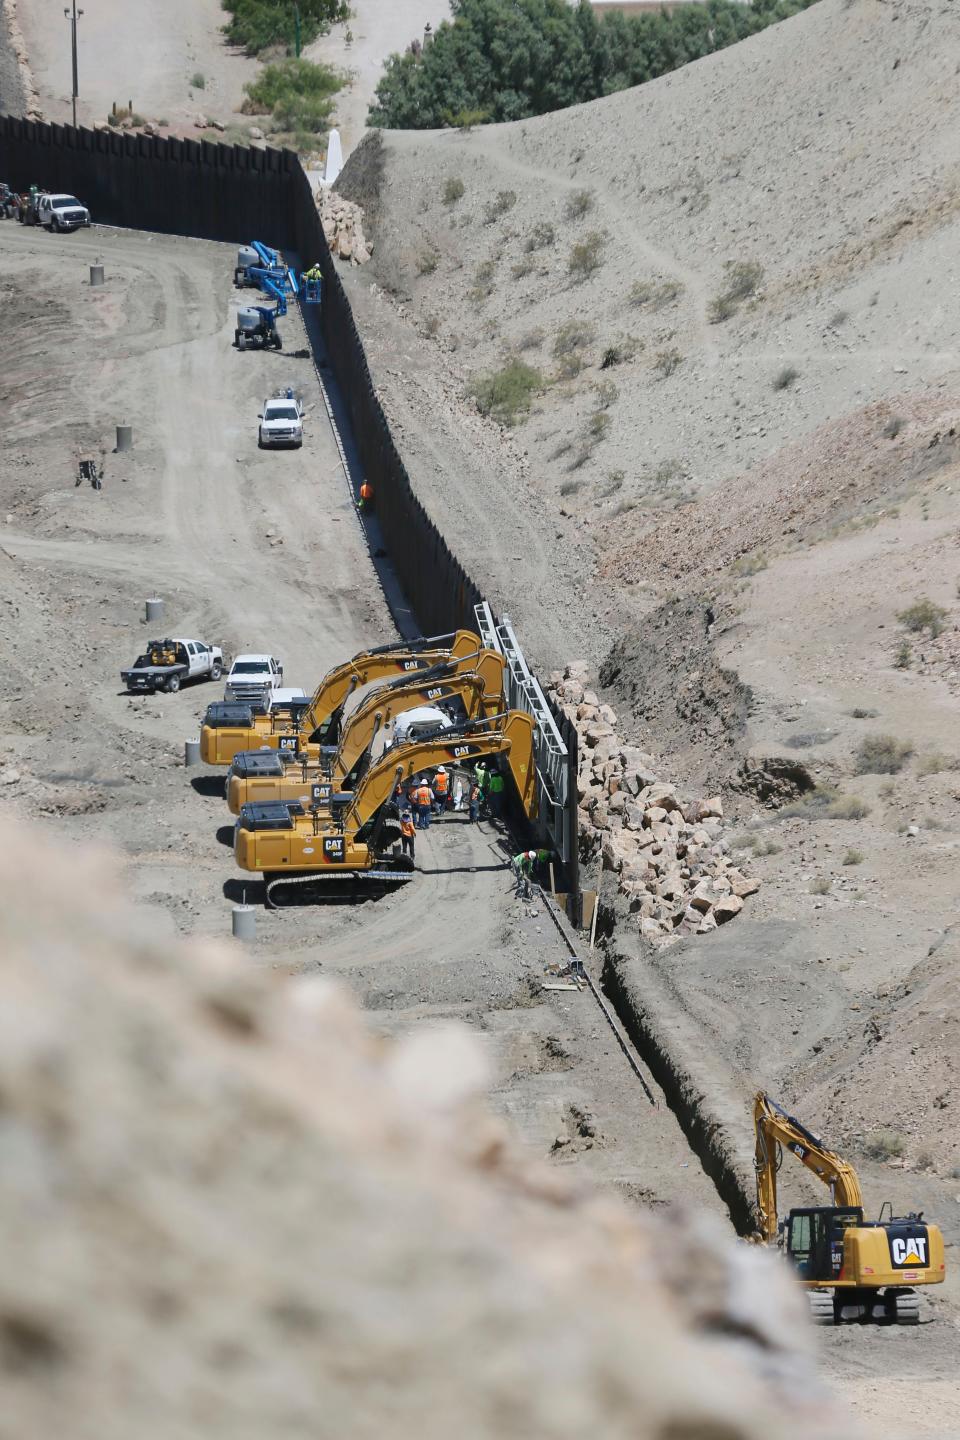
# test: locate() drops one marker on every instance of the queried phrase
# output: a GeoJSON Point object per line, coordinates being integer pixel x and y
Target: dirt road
{"type": "Point", "coordinates": [252, 551]}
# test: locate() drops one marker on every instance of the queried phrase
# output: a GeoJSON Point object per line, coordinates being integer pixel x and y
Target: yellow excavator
{"type": "Point", "coordinates": [230, 727]}
{"type": "Point", "coordinates": [851, 1268]}
{"type": "Point", "coordinates": [356, 841]}
{"type": "Point", "coordinates": [312, 776]}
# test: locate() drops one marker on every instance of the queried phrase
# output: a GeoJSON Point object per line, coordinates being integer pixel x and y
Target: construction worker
{"type": "Point", "coordinates": [366, 497]}
{"type": "Point", "coordinates": [474, 802]}
{"type": "Point", "coordinates": [407, 834]}
{"type": "Point", "coordinates": [441, 789]}
{"type": "Point", "coordinates": [495, 791]}
{"type": "Point", "coordinates": [483, 776]}
{"type": "Point", "coordinates": [424, 804]}
{"type": "Point", "coordinates": [523, 868]}
{"type": "Point", "coordinates": [314, 273]}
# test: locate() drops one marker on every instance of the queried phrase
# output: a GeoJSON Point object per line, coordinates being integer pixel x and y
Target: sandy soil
{"type": "Point", "coordinates": [138, 51]}
{"type": "Point", "coordinates": [187, 514]}
{"type": "Point", "coordinates": [379, 28]}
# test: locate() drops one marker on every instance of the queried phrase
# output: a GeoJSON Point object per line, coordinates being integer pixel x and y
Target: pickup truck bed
{"type": "Point", "coordinates": [154, 677]}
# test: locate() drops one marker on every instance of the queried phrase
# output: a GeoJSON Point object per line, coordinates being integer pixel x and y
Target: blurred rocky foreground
{"type": "Point", "coordinates": [229, 1210]}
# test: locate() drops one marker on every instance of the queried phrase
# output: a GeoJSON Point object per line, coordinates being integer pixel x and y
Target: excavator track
{"type": "Point", "coordinates": [365, 881]}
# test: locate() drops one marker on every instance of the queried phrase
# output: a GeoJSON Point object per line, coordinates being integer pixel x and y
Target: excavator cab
{"type": "Point", "coordinates": [814, 1239]}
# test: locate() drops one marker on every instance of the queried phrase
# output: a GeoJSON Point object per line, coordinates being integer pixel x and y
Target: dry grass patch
{"type": "Point", "coordinates": [882, 755]}
{"type": "Point", "coordinates": [586, 257]}
{"type": "Point", "coordinates": [923, 616]}
{"type": "Point", "coordinates": [505, 394]}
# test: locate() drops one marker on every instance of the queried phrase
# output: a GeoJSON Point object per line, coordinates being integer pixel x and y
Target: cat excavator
{"type": "Point", "coordinates": [451, 690]}
{"type": "Point", "coordinates": [229, 727]}
{"type": "Point", "coordinates": [303, 850]}
{"type": "Point", "coordinates": [851, 1268]}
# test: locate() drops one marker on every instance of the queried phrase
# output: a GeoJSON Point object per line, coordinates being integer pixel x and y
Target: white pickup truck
{"type": "Point", "coordinates": [257, 680]}
{"type": "Point", "coordinates": [61, 212]}
{"type": "Point", "coordinates": [281, 421]}
{"type": "Point", "coordinates": [166, 664]}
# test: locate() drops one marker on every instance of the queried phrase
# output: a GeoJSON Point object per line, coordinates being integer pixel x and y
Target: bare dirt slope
{"type": "Point", "coordinates": [251, 550]}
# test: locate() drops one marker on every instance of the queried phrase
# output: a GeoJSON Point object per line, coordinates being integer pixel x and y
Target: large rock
{"type": "Point", "coordinates": [726, 908]}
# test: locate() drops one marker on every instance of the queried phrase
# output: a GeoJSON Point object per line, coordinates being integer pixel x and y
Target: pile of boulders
{"type": "Point", "coordinates": [342, 223]}
{"type": "Point", "coordinates": [667, 853]}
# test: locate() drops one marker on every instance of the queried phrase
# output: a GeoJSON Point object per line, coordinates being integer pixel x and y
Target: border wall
{"type": "Point", "coordinates": [236, 193]}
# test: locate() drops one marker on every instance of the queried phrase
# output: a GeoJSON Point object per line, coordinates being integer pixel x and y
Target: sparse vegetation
{"type": "Point", "coordinates": [297, 93]}
{"type": "Point", "coordinates": [598, 425]}
{"type": "Point", "coordinates": [785, 377]}
{"type": "Point", "coordinates": [431, 325]}
{"type": "Point", "coordinates": [751, 564]}
{"type": "Point", "coordinates": [884, 1145]}
{"type": "Point", "coordinates": [743, 278]}
{"type": "Point", "coordinates": [925, 1160]}
{"type": "Point", "coordinates": [820, 886]}
{"type": "Point", "coordinates": [645, 295]}
{"type": "Point", "coordinates": [521, 268]}
{"type": "Point", "coordinates": [749, 840]}
{"type": "Point", "coordinates": [198, 80]}
{"type": "Point", "coordinates": [505, 394]}
{"type": "Point", "coordinates": [666, 361]}
{"type": "Point", "coordinates": [838, 318]}
{"type": "Point", "coordinates": [586, 256]}
{"type": "Point", "coordinates": [453, 190]}
{"type": "Point", "coordinates": [882, 755]}
{"type": "Point", "coordinates": [903, 656]}
{"type": "Point", "coordinates": [606, 392]}
{"type": "Point", "coordinates": [861, 712]}
{"type": "Point", "coordinates": [427, 262]}
{"type": "Point", "coordinates": [806, 739]}
{"type": "Point", "coordinates": [922, 616]}
{"type": "Point", "coordinates": [578, 204]}
{"type": "Point", "coordinates": [826, 803]}
{"type": "Point", "coordinates": [614, 483]}
{"type": "Point", "coordinates": [570, 487]}
{"type": "Point", "coordinates": [258, 25]}
{"type": "Point", "coordinates": [500, 206]}
{"type": "Point", "coordinates": [853, 857]}
{"type": "Point", "coordinates": [531, 340]}
{"type": "Point", "coordinates": [483, 278]}
{"type": "Point", "coordinates": [541, 236]}
{"type": "Point", "coordinates": [574, 335]}
{"type": "Point", "coordinates": [621, 351]}
{"type": "Point", "coordinates": [893, 427]}
{"type": "Point", "coordinates": [935, 763]}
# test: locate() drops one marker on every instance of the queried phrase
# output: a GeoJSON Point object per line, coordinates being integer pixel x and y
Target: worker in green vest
{"type": "Point", "coordinates": [495, 794]}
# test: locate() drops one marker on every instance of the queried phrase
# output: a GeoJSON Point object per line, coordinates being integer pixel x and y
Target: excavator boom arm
{"type": "Point", "coordinates": [773, 1128]}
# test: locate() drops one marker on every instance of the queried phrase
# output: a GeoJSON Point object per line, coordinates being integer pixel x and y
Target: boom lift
{"type": "Point", "coordinates": [851, 1268]}
{"type": "Point", "coordinates": [230, 728]}
{"type": "Point", "coordinates": [466, 689]}
{"type": "Point", "coordinates": [356, 841]}
{"type": "Point", "coordinates": [257, 324]}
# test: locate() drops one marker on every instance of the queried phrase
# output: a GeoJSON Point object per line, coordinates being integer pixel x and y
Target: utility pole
{"type": "Point", "coordinates": [72, 17]}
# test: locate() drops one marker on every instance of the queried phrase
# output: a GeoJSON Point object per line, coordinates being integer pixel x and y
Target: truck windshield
{"type": "Point", "coordinates": [282, 412]}
{"type": "Point", "coordinates": [64, 202]}
{"type": "Point", "coordinates": [250, 667]}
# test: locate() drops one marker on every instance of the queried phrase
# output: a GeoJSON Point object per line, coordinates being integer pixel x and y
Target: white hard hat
{"type": "Point", "coordinates": [441, 769]}
{"type": "Point", "coordinates": [532, 854]}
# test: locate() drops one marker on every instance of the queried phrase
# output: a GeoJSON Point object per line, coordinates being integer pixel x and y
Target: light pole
{"type": "Point", "coordinates": [72, 16]}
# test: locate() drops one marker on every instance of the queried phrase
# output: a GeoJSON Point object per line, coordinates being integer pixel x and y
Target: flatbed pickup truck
{"type": "Point", "coordinates": [166, 664]}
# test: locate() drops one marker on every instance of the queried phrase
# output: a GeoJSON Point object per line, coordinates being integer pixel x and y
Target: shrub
{"type": "Point", "coordinates": [427, 262]}
{"type": "Point", "coordinates": [644, 295]}
{"type": "Point", "coordinates": [923, 615]}
{"type": "Point", "coordinates": [859, 712]}
{"type": "Point", "coordinates": [506, 394]}
{"type": "Point", "coordinates": [483, 278]}
{"type": "Point", "coordinates": [570, 487]}
{"type": "Point", "coordinates": [258, 24]}
{"type": "Point", "coordinates": [749, 564]}
{"type": "Point", "coordinates": [884, 1145]}
{"type": "Point", "coordinates": [721, 307]}
{"type": "Point", "coordinates": [620, 351]}
{"type": "Point", "coordinates": [882, 755]}
{"type": "Point", "coordinates": [935, 763]}
{"type": "Point", "coordinates": [431, 325]}
{"type": "Point", "coordinates": [785, 378]}
{"type": "Point", "coordinates": [198, 80]}
{"type": "Point", "coordinates": [606, 392]}
{"type": "Point", "coordinates": [826, 803]}
{"type": "Point", "coordinates": [521, 269]}
{"type": "Point", "coordinates": [586, 256]}
{"type": "Point", "coordinates": [532, 340]}
{"type": "Point", "coordinates": [614, 483]}
{"type": "Point", "coordinates": [297, 93]}
{"type": "Point", "coordinates": [806, 739]}
{"type": "Point", "coordinates": [504, 202]}
{"type": "Point", "coordinates": [853, 857]}
{"type": "Point", "coordinates": [598, 425]}
{"type": "Point", "coordinates": [574, 335]}
{"type": "Point", "coordinates": [820, 886]}
{"type": "Point", "coordinates": [542, 235]}
{"type": "Point", "coordinates": [903, 655]}
{"type": "Point", "coordinates": [742, 280]}
{"type": "Point", "coordinates": [666, 361]}
{"type": "Point", "coordinates": [580, 203]}
{"type": "Point", "coordinates": [453, 190]}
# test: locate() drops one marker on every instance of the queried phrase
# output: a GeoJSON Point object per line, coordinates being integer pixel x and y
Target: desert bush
{"type": "Point", "coordinates": [431, 325]}
{"type": "Point", "coordinates": [598, 425]}
{"type": "Point", "coordinates": [825, 803]}
{"type": "Point", "coordinates": [586, 256]}
{"type": "Point", "coordinates": [622, 350]}
{"type": "Point", "coordinates": [453, 190]}
{"type": "Point", "coordinates": [903, 656]}
{"type": "Point", "coordinates": [893, 427]}
{"type": "Point", "coordinates": [531, 339]}
{"type": "Point", "coordinates": [505, 394]}
{"type": "Point", "coordinates": [578, 204]}
{"type": "Point", "coordinates": [935, 763]}
{"type": "Point", "coordinates": [853, 857]}
{"type": "Point", "coordinates": [838, 318]}
{"type": "Point", "coordinates": [666, 361]}
{"type": "Point", "coordinates": [785, 377]}
{"type": "Point", "coordinates": [742, 279]}
{"type": "Point", "coordinates": [297, 93]}
{"type": "Point", "coordinates": [645, 295]}
{"type": "Point", "coordinates": [606, 392]}
{"type": "Point", "coordinates": [427, 262]}
{"type": "Point", "coordinates": [500, 206]}
{"type": "Point", "coordinates": [257, 25]}
{"type": "Point", "coordinates": [198, 80]}
{"type": "Point", "coordinates": [884, 1145]}
{"type": "Point", "coordinates": [806, 739]}
{"type": "Point", "coordinates": [483, 278]}
{"type": "Point", "coordinates": [614, 483]}
{"type": "Point", "coordinates": [570, 487]}
{"type": "Point", "coordinates": [541, 236]}
{"type": "Point", "coordinates": [860, 712]}
{"type": "Point", "coordinates": [521, 268]}
{"type": "Point", "coordinates": [749, 564]}
{"type": "Point", "coordinates": [820, 886]}
{"type": "Point", "coordinates": [882, 755]}
{"type": "Point", "coordinates": [922, 616]}
{"type": "Point", "coordinates": [624, 507]}
{"type": "Point", "coordinates": [573, 335]}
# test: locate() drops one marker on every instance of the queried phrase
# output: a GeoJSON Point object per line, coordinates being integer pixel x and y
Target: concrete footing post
{"type": "Point", "coordinates": [124, 437]}
{"type": "Point", "coordinates": [191, 752]}
{"type": "Point", "coordinates": [244, 921]}
{"type": "Point", "coordinates": [96, 275]}
{"type": "Point", "coordinates": [154, 610]}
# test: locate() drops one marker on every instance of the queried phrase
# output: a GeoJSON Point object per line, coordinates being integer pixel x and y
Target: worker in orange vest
{"type": "Point", "coordinates": [424, 802]}
{"type": "Point", "coordinates": [366, 496]}
{"type": "Point", "coordinates": [441, 789]}
{"type": "Point", "coordinates": [407, 835]}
